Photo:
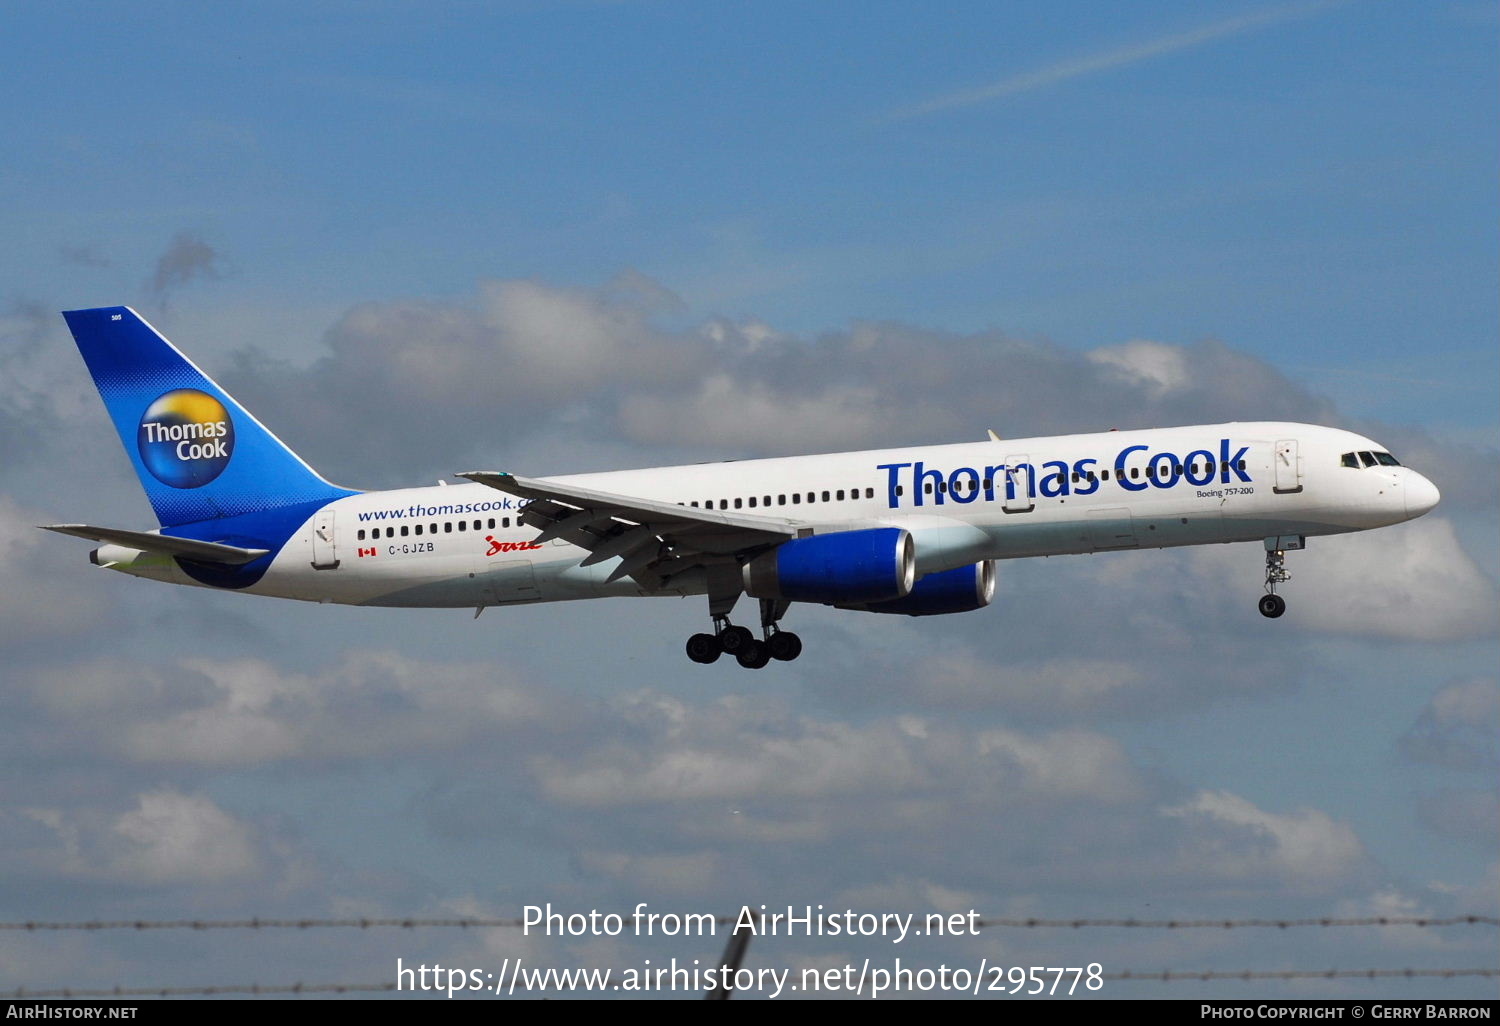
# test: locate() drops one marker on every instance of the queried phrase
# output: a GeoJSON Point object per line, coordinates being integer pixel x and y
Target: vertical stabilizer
{"type": "Point", "coordinates": [199, 454]}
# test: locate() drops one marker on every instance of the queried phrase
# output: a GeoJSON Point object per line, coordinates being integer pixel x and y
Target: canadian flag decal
{"type": "Point", "coordinates": [367, 552]}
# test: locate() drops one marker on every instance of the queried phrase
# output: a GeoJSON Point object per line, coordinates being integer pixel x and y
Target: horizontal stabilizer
{"type": "Point", "coordinates": [150, 541]}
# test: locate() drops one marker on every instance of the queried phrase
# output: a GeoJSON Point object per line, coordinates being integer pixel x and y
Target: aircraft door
{"type": "Point", "coordinates": [1288, 466]}
{"type": "Point", "coordinates": [1018, 485]}
{"type": "Point", "coordinates": [324, 552]}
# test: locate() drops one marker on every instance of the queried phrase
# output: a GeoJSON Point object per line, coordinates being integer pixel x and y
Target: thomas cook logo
{"type": "Point", "coordinates": [186, 438]}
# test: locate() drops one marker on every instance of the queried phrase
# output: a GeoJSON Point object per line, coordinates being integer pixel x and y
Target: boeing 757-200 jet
{"type": "Point", "coordinates": [915, 531]}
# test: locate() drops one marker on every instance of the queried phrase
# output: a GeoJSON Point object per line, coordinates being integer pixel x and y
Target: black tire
{"type": "Point", "coordinates": [704, 648]}
{"type": "Point", "coordinates": [1272, 606]}
{"type": "Point", "coordinates": [734, 639]}
{"type": "Point", "coordinates": [785, 645]}
{"type": "Point", "coordinates": [754, 656]}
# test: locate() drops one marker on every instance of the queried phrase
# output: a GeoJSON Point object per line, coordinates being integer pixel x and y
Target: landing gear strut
{"type": "Point", "coordinates": [1271, 604]}
{"type": "Point", "coordinates": [783, 645]}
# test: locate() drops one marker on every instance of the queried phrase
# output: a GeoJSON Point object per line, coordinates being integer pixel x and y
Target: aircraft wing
{"type": "Point", "coordinates": [655, 540]}
{"type": "Point", "coordinates": [149, 541]}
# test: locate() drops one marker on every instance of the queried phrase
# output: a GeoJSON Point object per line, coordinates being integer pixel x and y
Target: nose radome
{"type": "Point", "coordinates": [1421, 495]}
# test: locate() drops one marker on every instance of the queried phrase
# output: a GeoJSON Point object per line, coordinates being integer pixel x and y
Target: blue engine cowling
{"type": "Point", "coordinates": [834, 569]}
{"type": "Point", "coordinates": [952, 591]}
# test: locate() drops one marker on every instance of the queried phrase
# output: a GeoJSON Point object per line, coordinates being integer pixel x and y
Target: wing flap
{"type": "Point", "coordinates": [653, 538]}
{"type": "Point", "coordinates": [641, 510]}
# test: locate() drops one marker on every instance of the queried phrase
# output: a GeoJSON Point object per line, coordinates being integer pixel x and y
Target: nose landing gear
{"type": "Point", "coordinates": [1271, 604]}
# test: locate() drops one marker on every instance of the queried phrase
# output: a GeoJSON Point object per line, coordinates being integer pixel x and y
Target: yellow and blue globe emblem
{"type": "Point", "coordinates": [186, 438]}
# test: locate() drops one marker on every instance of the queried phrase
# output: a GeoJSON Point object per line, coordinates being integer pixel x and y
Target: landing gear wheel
{"type": "Point", "coordinates": [784, 645]}
{"type": "Point", "coordinates": [735, 640]}
{"type": "Point", "coordinates": [755, 655]}
{"type": "Point", "coordinates": [1272, 606]}
{"type": "Point", "coordinates": [704, 648]}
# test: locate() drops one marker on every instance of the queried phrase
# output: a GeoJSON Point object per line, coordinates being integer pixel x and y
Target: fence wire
{"type": "Point", "coordinates": [1119, 976]}
{"type": "Point", "coordinates": [416, 922]}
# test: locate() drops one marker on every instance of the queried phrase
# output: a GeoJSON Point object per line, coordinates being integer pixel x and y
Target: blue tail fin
{"type": "Point", "coordinates": [199, 454]}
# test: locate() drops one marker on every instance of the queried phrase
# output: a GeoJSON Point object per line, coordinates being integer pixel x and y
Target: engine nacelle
{"type": "Point", "coordinates": [127, 560]}
{"type": "Point", "coordinates": [952, 591]}
{"type": "Point", "coordinates": [833, 569]}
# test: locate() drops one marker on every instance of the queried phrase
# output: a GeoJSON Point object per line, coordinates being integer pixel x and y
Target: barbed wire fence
{"type": "Point", "coordinates": [419, 922]}
{"type": "Point", "coordinates": [466, 923]}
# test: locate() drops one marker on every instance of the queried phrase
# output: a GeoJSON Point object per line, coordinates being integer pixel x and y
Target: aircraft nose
{"type": "Point", "coordinates": [1421, 495]}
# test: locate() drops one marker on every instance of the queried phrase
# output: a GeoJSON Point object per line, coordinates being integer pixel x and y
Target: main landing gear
{"type": "Point", "coordinates": [1271, 604]}
{"type": "Point", "coordinates": [749, 651]}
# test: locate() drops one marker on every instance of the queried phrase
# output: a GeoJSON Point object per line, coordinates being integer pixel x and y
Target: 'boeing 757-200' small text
{"type": "Point", "coordinates": [915, 531]}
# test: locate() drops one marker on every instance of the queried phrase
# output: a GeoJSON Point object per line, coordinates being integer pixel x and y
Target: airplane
{"type": "Point", "coordinates": [914, 531]}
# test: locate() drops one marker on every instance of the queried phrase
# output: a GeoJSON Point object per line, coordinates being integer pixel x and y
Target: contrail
{"type": "Point", "coordinates": [1111, 59]}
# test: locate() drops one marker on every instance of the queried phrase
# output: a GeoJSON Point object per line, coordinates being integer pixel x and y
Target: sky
{"type": "Point", "coordinates": [554, 237]}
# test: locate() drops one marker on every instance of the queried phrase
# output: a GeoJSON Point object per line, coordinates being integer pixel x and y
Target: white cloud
{"type": "Point", "coordinates": [733, 413]}
{"type": "Point", "coordinates": [166, 837]}
{"type": "Point", "coordinates": [689, 872]}
{"type": "Point", "coordinates": [46, 593]}
{"type": "Point", "coordinates": [1460, 727]}
{"type": "Point", "coordinates": [245, 712]}
{"type": "Point", "coordinates": [1392, 903]}
{"type": "Point", "coordinates": [1306, 845]}
{"type": "Point", "coordinates": [729, 753]}
{"type": "Point", "coordinates": [1410, 582]}
{"type": "Point", "coordinates": [174, 837]}
{"type": "Point", "coordinates": [1109, 60]}
{"type": "Point", "coordinates": [1413, 582]}
{"type": "Point", "coordinates": [1159, 367]}
{"type": "Point", "coordinates": [967, 676]}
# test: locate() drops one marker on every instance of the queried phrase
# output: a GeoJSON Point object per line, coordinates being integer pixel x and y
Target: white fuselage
{"type": "Point", "coordinates": [464, 545]}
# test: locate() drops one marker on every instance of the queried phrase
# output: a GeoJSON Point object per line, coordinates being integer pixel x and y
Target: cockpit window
{"type": "Point", "coordinates": [1349, 460]}
{"type": "Point", "coordinates": [1369, 458]}
{"type": "Point", "coordinates": [1387, 460]}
